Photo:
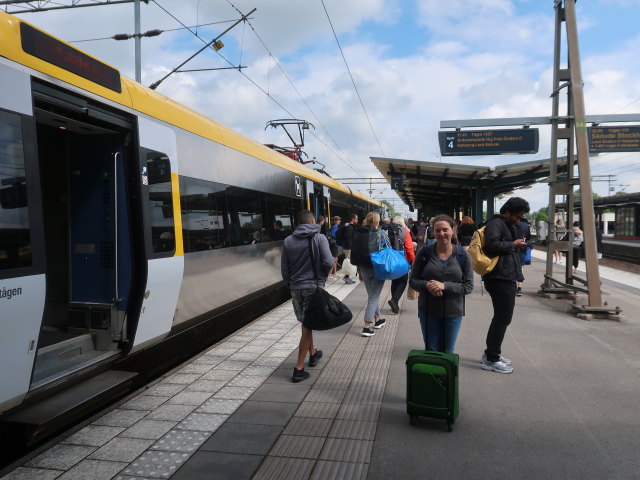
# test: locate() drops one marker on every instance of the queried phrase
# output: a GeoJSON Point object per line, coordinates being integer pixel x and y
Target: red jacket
{"type": "Point", "coordinates": [409, 252]}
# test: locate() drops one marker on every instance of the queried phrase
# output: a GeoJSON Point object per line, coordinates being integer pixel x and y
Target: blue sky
{"type": "Point", "coordinates": [414, 63]}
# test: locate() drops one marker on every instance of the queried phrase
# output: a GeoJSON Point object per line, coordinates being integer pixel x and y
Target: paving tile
{"type": "Point", "coordinates": [236, 365]}
{"type": "Point", "coordinates": [202, 422]}
{"type": "Point", "coordinates": [61, 457]}
{"type": "Point", "coordinates": [164, 389]}
{"type": "Point", "coordinates": [318, 410]}
{"type": "Point", "coordinates": [199, 368]}
{"type": "Point", "coordinates": [244, 356]}
{"type": "Point", "coordinates": [311, 427]}
{"type": "Point", "coordinates": [185, 441]}
{"type": "Point", "coordinates": [121, 449]}
{"type": "Point", "coordinates": [354, 411]}
{"type": "Point", "coordinates": [345, 450]}
{"type": "Point", "coordinates": [202, 385]}
{"type": "Point", "coordinates": [144, 402]}
{"type": "Point", "coordinates": [223, 406]}
{"type": "Point", "coordinates": [264, 413]}
{"type": "Point", "coordinates": [242, 438]}
{"type": "Point", "coordinates": [121, 418]}
{"type": "Point", "coordinates": [216, 374]}
{"type": "Point", "coordinates": [297, 446]}
{"type": "Point", "coordinates": [227, 466]}
{"type": "Point", "coordinates": [211, 360]}
{"type": "Point", "coordinates": [234, 393]}
{"type": "Point", "coordinates": [353, 429]}
{"type": "Point", "coordinates": [325, 395]}
{"type": "Point", "coordinates": [275, 468]}
{"type": "Point", "coordinates": [366, 397]}
{"type": "Point", "coordinates": [273, 392]}
{"type": "Point", "coordinates": [156, 464]}
{"type": "Point", "coordinates": [182, 378]}
{"type": "Point", "coordinates": [93, 469]}
{"type": "Point", "coordinates": [189, 398]}
{"type": "Point", "coordinates": [171, 412]}
{"type": "Point", "coordinates": [93, 435]}
{"type": "Point", "coordinates": [243, 380]}
{"type": "Point", "coordinates": [327, 382]}
{"type": "Point", "coordinates": [25, 473]}
{"type": "Point", "coordinates": [253, 349]}
{"type": "Point", "coordinates": [340, 471]}
{"type": "Point", "coordinates": [148, 429]}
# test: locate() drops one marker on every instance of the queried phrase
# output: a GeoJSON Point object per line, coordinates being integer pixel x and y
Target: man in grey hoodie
{"type": "Point", "coordinates": [303, 277]}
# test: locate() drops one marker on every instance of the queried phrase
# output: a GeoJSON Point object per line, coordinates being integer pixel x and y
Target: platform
{"type": "Point", "coordinates": [569, 410]}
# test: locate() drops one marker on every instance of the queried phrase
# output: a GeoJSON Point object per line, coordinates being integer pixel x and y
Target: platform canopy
{"type": "Point", "coordinates": [434, 187]}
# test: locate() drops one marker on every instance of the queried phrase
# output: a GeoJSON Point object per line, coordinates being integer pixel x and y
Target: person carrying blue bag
{"type": "Point", "coordinates": [443, 275]}
{"type": "Point", "coordinates": [369, 239]}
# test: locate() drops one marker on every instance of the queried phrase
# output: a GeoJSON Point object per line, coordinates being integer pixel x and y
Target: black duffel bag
{"type": "Point", "coordinates": [325, 311]}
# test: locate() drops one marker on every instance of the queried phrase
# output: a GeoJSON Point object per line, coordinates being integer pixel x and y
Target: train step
{"type": "Point", "coordinates": [43, 418]}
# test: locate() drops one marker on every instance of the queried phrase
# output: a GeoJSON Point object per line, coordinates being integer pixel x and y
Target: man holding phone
{"type": "Point", "coordinates": [525, 233]}
{"type": "Point", "coordinates": [503, 239]}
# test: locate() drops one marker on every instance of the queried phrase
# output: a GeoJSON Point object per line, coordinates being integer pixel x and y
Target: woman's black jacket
{"type": "Point", "coordinates": [498, 240]}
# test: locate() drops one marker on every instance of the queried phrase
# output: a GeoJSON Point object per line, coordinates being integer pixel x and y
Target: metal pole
{"type": "Point", "coordinates": [582, 147]}
{"type": "Point", "coordinates": [138, 40]}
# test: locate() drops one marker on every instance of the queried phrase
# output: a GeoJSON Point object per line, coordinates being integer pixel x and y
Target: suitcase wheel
{"type": "Point", "coordinates": [412, 419]}
{"type": "Point", "coordinates": [449, 422]}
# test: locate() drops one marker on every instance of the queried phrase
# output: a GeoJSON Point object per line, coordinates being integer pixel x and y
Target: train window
{"type": "Point", "coordinates": [281, 213]}
{"type": "Point", "coordinates": [243, 216]}
{"type": "Point", "coordinates": [202, 220]}
{"type": "Point", "coordinates": [15, 236]}
{"type": "Point", "coordinates": [160, 202]}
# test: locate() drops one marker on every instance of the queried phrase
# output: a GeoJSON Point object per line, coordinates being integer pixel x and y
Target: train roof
{"type": "Point", "coordinates": [144, 100]}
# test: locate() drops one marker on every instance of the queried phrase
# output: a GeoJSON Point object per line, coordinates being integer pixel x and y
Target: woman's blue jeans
{"type": "Point", "coordinates": [432, 333]}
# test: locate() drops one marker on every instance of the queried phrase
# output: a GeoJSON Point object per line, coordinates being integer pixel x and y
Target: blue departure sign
{"type": "Point", "coordinates": [488, 142]}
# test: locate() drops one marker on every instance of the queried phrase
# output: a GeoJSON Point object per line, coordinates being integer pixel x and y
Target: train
{"type": "Point", "coordinates": [133, 230]}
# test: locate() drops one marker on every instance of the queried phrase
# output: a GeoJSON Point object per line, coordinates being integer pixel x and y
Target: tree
{"type": "Point", "coordinates": [390, 210]}
{"type": "Point", "coordinates": [541, 215]}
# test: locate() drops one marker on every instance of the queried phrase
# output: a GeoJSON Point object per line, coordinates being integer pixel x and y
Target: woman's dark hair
{"type": "Point", "coordinates": [452, 223]}
{"type": "Point", "coordinates": [515, 205]}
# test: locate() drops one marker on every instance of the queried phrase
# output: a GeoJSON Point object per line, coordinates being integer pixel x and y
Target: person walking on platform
{"type": "Point", "coordinates": [346, 237]}
{"type": "Point", "coordinates": [333, 245]}
{"type": "Point", "coordinates": [465, 231]}
{"type": "Point", "coordinates": [368, 240]}
{"type": "Point", "coordinates": [560, 232]}
{"type": "Point", "coordinates": [406, 245]}
{"type": "Point", "coordinates": [299, 276]}
{"type": "Point", "coordinates": [442, 274]}
{"type": "Point", "coordinates": [578, 238]}
{"type": "Point", "coordinates": [502, 239]}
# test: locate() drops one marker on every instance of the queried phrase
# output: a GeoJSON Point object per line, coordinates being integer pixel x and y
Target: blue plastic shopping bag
{"type": "Point", "coordinates": [389, 264]}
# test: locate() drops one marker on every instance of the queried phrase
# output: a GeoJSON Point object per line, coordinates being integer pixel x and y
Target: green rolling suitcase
{"type": "Point", "coordinates": [432, 385]}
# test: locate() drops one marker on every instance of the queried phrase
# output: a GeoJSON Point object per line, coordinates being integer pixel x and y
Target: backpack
{"type": "Point", "coordinates": [341, 235]}
{"type": "Point", "coordinates": [461, 255]}
{"type": "Point", "coordinates": [394, 232]}
{"type": "Point", "coordinates": [360, 247]}
{"type": "Point", "coordinates": [482, 263]}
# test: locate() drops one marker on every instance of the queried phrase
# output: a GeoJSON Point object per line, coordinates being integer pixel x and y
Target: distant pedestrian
{"type": "Point", "coordinates": [323, 224]}
{"type": "Point", "coordinates": [465, 231]}
{"type": "Point", "coordinates": [368, 240]}
{"type": "Point", "coordinates": [346, 237]}
{"type": "Point", "coordinates": [576, 245]}
{"type": "Point", "coordinates": [406, 246]}
{"type": "Point", "coordinates": [299, 275]}
{"type": "Point", "coordinates": [524, 232]}
{"type": "Point", "coordinates": [559, 233]}
{"type": "Point", "coordinates": [333, 245]}
{"type": "Point", "coordinates": [598, 239]}
{"type": "Point", "coordinates": [442, 280]}
{"type": "Point", "coordinates": [502, 239]}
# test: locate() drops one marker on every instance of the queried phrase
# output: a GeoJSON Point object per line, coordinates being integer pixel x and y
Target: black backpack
{"type": "Point", "coordinates": [341, 234]}
{"type": "Point", "coordinates": [360, 247]}
{"type": "Point", "coordinates": [393, 230]}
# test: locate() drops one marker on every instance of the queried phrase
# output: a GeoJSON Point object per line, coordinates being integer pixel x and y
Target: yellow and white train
{"type": "Point", "coordinates": [133, 231]}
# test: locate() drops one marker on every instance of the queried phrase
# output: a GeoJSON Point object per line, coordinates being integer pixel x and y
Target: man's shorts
{"type": "Point", "coordinates": [300, 299]}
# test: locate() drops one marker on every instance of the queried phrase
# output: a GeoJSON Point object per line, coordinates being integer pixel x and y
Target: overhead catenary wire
{"type": "Point", "coordinates": [318, 121]}
{"type": "Point", "coordinates": [352, 79]}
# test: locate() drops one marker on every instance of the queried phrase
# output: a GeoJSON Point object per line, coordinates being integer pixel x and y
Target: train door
{"type": "Point", "coordinates": [317, 199]}
{"type": "Point", "coordinates": [84, 152]}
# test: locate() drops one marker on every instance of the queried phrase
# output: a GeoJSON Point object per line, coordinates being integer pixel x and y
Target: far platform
{"type": "Point", "coordinates": [569, 410]}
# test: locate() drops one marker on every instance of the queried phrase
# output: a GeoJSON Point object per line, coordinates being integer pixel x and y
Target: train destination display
{"type": "Point", "coordinates": [614, 139]}
{"type": "Point", "coordinates": [488, 142]}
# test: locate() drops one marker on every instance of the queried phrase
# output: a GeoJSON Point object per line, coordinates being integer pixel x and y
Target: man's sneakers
{"type": "Point", "coordinates": [299, 375]}
{"type": "Point", "coordinates": [349, 281]}
{"type": "Point", "coordinates": [368, 332]}
{"type": "Point", "coordinates": [519, 292]}
{"type": "Point", "coordinates": [394, 306]}
{"type": "Point", "coordinates": [379, 323]}
{"type": "Point", "coordinates": [315, 358]}
{"type": "Point", "coordinates": [504, 360]}
{"type": "Point", "coordinates": [499, 366]}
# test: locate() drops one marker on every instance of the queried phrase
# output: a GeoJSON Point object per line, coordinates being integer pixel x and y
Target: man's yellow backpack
{"type": "Point", "coordinates": [482, 263]}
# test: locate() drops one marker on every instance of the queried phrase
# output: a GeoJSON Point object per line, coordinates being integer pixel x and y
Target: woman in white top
{"type": "Point", "coordinates": [578, 238]}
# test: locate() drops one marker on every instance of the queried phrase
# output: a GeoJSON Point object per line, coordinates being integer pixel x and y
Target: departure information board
{"type": "Point", "coordinates": [488, 142]}
{"type": "Point", "coordinates": [614, 139]}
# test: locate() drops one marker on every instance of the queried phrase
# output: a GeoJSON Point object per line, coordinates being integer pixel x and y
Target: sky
{"type": "Point", "coordinates": [408, 64]}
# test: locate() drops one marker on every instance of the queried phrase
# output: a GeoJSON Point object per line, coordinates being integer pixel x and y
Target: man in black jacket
{"type": "Point", "coordinates": [503, 239]}
{"type": "Point", "coordinates": [350, 231]}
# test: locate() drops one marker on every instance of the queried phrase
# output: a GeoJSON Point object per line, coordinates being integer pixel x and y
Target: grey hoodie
{"type": "Point", "coordinates": [296, 268]}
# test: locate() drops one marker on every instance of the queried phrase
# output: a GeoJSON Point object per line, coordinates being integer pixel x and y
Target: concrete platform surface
{"type": "Point", "coordinates": [569, 410]}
